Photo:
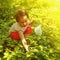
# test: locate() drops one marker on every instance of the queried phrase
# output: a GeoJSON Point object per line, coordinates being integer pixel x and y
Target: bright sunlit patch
{"type": "Point", "coordinates": [57, 1]}
{"type": "Point", "coordinates": [54, 9]}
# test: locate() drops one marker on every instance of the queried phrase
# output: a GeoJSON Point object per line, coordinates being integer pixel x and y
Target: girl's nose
{"type": "Point", "coordinates": [25, 23]}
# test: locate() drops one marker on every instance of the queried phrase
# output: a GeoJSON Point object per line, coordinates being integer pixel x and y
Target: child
{"type": "Point", "coordinates": [21, 27]}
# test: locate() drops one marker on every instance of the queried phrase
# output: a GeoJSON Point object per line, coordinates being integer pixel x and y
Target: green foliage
{"type": "Point", "coordinates": [44, 47]}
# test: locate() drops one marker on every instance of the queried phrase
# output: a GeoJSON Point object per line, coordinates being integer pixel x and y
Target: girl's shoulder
{"type": "Point", "coordinates": [15, 24]}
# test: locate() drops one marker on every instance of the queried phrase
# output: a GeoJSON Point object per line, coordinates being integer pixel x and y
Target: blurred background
{"type": "Point", "coordinates": [45, 13]}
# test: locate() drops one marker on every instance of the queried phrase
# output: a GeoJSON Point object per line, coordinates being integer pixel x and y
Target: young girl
{"type": "Point", "coordinates": [21, 28]}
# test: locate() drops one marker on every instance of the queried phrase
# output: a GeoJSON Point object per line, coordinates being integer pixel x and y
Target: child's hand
{"type": "Point", "coordinates": [32, 22]}
{"type": "Point", "coordinates": [26, 48]}
{"type": "Point", "coordinates": [25, 45]}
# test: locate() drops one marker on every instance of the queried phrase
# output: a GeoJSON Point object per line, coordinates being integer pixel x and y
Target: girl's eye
{"type": "Point", "coordinates": [26, 21]}
{"type": "Point", "coordinates": [22, 22]}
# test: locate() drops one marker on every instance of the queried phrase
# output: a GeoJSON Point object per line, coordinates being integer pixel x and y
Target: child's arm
{"type": "Point", "coordinates": [31, 22]}
{"type": "Point", "coordinates": [23, 40]}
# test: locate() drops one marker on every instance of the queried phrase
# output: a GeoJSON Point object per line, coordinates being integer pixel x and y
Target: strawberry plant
{"type": "Point", "coordinates": [41, 47]}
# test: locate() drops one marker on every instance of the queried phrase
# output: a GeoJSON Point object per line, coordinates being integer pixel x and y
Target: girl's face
{"type": "Point", "coordinates": [23, 21]}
